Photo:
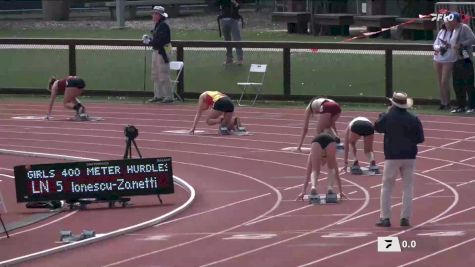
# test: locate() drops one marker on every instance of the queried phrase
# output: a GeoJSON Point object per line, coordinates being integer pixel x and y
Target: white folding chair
{"type": "Point", "coordinates": [178, 67]}
{"type": "Point", "coordinates": [255, 80]}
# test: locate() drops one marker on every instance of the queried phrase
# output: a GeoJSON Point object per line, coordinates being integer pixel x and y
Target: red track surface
{"type": "Point", "coordinates": [244, 213]}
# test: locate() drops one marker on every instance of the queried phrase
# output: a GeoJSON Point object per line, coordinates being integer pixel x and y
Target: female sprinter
{"type": "Point", "coordinates": [329, 112]}
{"type": "Point", "coordinates": [359, 127]}
{"type": "Point", "coordinates": [323, 151]}
{"type": "Point", "coordinates": [221, 105]}
{"type": "Point", "coordinates": [71, 87]}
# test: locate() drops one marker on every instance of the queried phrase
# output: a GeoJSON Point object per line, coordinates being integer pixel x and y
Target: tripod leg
{"type": "Point", "coordinates": [160, 199]}
{"type": "Point", "coordinates": [5, 228]}
{"type": "Point", "coordinates": [127, 149]}
{"type": "Point", "coordinates": [138, 151]}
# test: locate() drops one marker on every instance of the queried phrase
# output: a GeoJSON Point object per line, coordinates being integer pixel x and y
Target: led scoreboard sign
{"type": "Point", "coordinates": [96, 179]}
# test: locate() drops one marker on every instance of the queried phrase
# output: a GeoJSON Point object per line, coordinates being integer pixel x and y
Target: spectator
{"type": "Point", "coordinates": [221, 105]}
{"type": "Point", "coordinates": [72, 87]}
{"type": "Point", "coordinates": [323, 151]}
{"type": "Point", "coordinates": [444, 58]}
{"type": "Point", "coordinates": [402, 132]}
{"type": "Point", "coordinates": [160, 41]}
{"type": "Point", "coordinates": [462, 73]}
{"type": "Point", "coordinates": [357, 128]}
{"type": "Point", "coordinates": [229, 19]}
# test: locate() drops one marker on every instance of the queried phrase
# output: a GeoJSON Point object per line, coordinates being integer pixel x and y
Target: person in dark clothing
{"type": "Point", "coordinates": [402, 132]}
{"type": "Point", "coordinates": [229, 21]}
{"type": "Point", "coordinates": [161, 44]}
{"type": "Point", "coordinates": [462, 72]}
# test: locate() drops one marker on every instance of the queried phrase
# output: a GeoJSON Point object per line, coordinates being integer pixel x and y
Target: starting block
{"type": "Point", "coordinates": [85, 117]}
{"type": "Point", "coordinates": [356, 170]}
{"type": "Point", "coordinates": [241, 129]}
{"type": "Point", "coordinates": [224, 131]}
{"type": "Point", "coordinates": [67, 236]}
{"type": "Point", "coordinates": [372, 170]}
{"type": "Point", "coordinates": [331, 198]}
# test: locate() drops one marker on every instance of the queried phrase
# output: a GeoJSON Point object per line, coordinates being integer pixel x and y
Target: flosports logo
{"type": "Point", "coordinates": [446, 15]}
{"type": "Point", "coordinates": [441, 17]}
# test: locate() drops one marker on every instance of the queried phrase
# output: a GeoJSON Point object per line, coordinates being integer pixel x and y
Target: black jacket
{"type": "Point", "coordinates": [228, 9]}
{"type": "Point", "coordinates": [160, 37]}
{"type": "Point", "coordinates": [402, 132]}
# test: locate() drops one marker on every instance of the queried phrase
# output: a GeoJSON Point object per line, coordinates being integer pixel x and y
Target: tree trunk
{"type": "Point", "coordinates": [56, 9]}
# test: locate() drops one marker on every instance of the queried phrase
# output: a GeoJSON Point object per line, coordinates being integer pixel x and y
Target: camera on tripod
{"type": "Point", "coordinates": [131, 132]}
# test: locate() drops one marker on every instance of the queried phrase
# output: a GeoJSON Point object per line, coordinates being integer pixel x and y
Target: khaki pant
{"type": "Point", "coordinates": [392, 168]}
{"type": "Point", "coordinates": [161, 77]}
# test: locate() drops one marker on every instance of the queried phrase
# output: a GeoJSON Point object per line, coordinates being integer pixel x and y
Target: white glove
{"type": "Point", "coordinates": [146, 39]}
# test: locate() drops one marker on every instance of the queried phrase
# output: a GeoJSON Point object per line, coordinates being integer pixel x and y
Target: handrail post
{"type": "Point", "coordinates": [286, 69]}
{"type": "Point", "coordinates": [389, 72]}
{"type": "Point", "coordinates": [72, 60]}
{"type": "Point", "coordinates": [181, 80]}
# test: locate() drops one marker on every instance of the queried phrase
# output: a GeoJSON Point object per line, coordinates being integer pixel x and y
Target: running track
{"type": "Point", "coordinates": [244, 213]}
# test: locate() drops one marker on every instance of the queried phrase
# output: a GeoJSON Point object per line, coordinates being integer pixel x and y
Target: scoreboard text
{"type": "Point", "coordinates": [97, 179]}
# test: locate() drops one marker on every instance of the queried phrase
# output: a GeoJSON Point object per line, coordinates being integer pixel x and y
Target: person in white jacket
{"type": "Point", "coordinates": [444, 58]}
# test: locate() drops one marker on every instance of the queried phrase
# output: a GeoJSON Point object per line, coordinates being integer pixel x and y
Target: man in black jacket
{"type": "Point", "coordinates": [229, 20]}
{"type": "Point", "coordinates": [161, 44]}
{"type": "Point", "coordinates": [402, 132]}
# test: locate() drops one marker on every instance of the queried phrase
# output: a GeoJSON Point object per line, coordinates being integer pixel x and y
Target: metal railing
{"type": "Point", "coordinates": [285, 47]}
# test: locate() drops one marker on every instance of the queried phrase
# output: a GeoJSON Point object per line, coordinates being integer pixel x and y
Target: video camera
{"type": "Point", "coordinates": [131, 132]}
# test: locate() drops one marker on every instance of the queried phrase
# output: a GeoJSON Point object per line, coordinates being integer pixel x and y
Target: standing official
{"type": "Point", "coordinates": [402, 132]}
{"type": "Point", "coordinates": [161, 43]}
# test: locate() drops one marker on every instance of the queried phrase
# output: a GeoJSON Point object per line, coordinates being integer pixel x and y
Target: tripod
{"type": "Point", "coordinates": [128, 150]}
{"type": "Point", "coordinates": [5, 228]}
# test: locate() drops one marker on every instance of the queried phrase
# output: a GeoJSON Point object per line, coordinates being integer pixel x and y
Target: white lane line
{"type": "Point", "coordinates": [39, 227]}
{"type": "Point", "coordinates": [8, 176]}
{"type": "Point", "coordinates": [462, 184]}
{"type": "Point", "coordinates": [6, 169]}
{"type": "Point", "coordinates": [378, 185]}
{"type": "Point", "coordinates": [454, 202]}
{"type": "Point", "coordinates": [395, 205]}
{"type": "Point", "coordinates": [453, 214]}
{"type": "Point", "coordinates": [366, 202]}
{"type": "Point", "coordinates": [352, 192]}
{"type": "Point", "coordinates": [213, 209]}
{"type": "Point", "coordinates": [437, 252]}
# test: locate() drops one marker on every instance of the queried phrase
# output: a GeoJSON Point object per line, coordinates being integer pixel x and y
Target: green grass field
{"type": "Point", "coordinates": [312, 73]}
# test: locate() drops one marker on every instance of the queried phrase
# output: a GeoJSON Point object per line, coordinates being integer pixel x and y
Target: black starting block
{"type": "Point", "coordinates": [340, 146]}
{"type": "Point", "coordinates": [356, 170]}
{"type": "Point", "coordinates": [374, 169]}
{"type": "Point", "coordinates": [241, 129]}
{"type": "Point", "coordinates": [82, 203]}
{"type": "Point", "coordinates": [331, 198]}
{"type": "Point", "coordinates": [224, 130]}
{"type": "Point", "coordinates": [67, 236]}
{"type": "Point", "coordinates": [85, 117]}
